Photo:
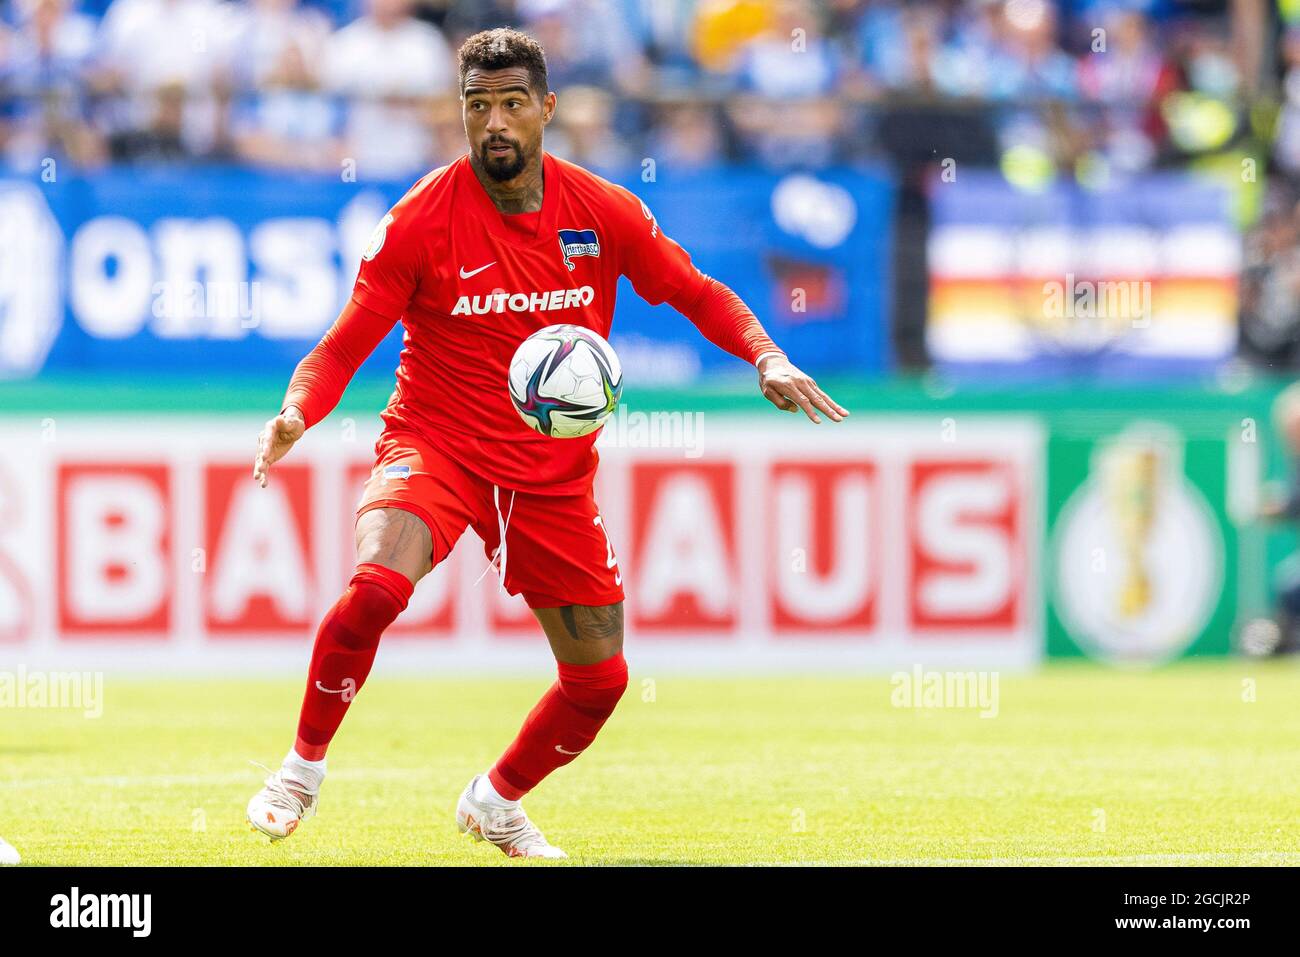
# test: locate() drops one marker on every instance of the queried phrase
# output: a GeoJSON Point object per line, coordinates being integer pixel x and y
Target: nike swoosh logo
{"type": "Point", "coordinates": [321, 687]}
{"type": "Point", "coordinates": [475, 272]}
{"type": "Point", "coordinates": [562, 751]}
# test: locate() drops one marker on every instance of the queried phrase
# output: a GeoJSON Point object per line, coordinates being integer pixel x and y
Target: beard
{"type": "Point", "coordinates": [502, 168]}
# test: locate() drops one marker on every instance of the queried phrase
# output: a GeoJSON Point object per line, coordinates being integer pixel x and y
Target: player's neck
{"type": "Point", "coordinates": [523, 194]}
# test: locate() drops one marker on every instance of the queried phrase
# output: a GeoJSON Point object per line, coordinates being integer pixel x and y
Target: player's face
{"type": "Point", "coordinates": [504, 119]}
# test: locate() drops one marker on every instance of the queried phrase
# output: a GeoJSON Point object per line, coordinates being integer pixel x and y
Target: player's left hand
{"type": "Point", "coordinates": [790, 390]}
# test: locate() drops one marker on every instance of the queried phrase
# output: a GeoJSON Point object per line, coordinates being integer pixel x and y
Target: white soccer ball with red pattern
{"type": "Point", "coordinates": [565, 381]}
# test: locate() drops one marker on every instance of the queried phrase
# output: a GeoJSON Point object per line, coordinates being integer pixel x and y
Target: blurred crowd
{"type": "Point", "coordinates": [318, 84]}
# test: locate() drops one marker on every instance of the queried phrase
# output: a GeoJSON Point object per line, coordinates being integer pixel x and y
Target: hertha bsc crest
{"type": "Point", "coordinates": [578, 242]}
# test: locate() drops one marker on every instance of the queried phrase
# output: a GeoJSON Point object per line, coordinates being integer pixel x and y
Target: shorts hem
{"type": "Point", "coordinates": [538, 600]}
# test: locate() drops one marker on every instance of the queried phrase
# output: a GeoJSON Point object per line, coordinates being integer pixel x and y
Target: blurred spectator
{"type": "Point", "coordinates": [587, 42]}
{"type": "Point", "coordinates": [1209, 65]}
{"type": "Point", "coordinates": [390, 66]}
{"type": "Point", "coordinates": [582, 132]}
{"type": "Point", "coordinates": [42, 66]}
{"type": "Point", "coordinates": [1207, 115]}
{"type": "Point", "coordinates": [464, 18]}
{"type": "Point", "coordinates": [1281, 502]}
{"type": "Point", "coordinates": [662, 29]}
{"type": "Point", "coordinates": [167, 60]}
{"type": "Point", "coordinates": [280, 44]}
{"type": "Point", "coordinates": [787, 116]}
{"type": "Point", "coordinates": [899, 47]}
{"type": "Point", "coordinates": [281, 118]}
{"type": "Point", "coordinates": [1130, 76]}
{"type": "Point", "coordinates": [1270, 281]}
{"type": "Point", "coordinates": [723, 27]}
{"type": "Point", "coordinates": [1286, 150]}
{"type": "Point", "coordinates": [791, 59]}
{"type": "Point", "coordinates": [1032, 65]}
{"type": "Point", "coordinates": [783, 82]}
{"type": "Point", "coordinates": [687, 137]}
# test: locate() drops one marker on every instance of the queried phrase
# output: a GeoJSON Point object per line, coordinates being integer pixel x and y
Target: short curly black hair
{"type": "Point", "coordinates": [501, 48]}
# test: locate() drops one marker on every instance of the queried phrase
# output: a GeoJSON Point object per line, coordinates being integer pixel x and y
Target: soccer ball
{"type": "Point", "coordinates": [8, 855]}
{"type": "Point", "coordinates": [565, 381]}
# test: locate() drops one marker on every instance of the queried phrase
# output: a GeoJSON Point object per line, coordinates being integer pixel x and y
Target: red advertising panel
{"type": "Point", "coordinates": [684, 544]}
{"type": "Point", "coordinates": [870, 546]}
{"type": "Point", "coordinates": [966, 546]}
{"type": "Point", "coordinates": [115, 566]}
{"type": "Point", "coordinates": [261, 568]}
{"type": "Point", "coordinates": [827, 539]}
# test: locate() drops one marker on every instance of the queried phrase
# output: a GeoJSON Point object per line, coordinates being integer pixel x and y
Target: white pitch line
{"type": "Point", "coordinates": [252, 775]}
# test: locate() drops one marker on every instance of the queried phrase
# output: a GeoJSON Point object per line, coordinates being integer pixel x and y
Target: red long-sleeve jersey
{"type": "Point", "coordinates": [470, 283]}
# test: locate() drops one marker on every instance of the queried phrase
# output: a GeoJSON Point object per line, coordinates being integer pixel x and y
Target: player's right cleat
{"type": "Point", "coordinates": [508, 828]}
{"type": "Point", "coordinates": [282, 804]}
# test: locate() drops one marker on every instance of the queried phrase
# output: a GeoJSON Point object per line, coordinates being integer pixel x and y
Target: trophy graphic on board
{"type": "Point", "coordinates": [1130, 475]}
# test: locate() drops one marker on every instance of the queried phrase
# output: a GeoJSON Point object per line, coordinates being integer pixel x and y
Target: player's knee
{"type": "Point", "coordinates": [374, 599]}
{"type": "Point", "coordinates": [596, 687]}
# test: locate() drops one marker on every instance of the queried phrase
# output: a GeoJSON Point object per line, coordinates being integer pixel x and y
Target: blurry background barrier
{"type": "Point", "coordinates": [1046, 252]}
{"type": "Point", "coordinates": [973, 529]}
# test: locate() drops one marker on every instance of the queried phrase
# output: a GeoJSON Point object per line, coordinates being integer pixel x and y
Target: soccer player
{"type": "Point", "coordinates": [469, 260]}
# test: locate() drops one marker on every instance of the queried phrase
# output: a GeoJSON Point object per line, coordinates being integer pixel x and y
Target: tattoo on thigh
{"type": "Point", "coordinates": [593, 622]}
{"type": "Point", "coordinates": [395, 537]}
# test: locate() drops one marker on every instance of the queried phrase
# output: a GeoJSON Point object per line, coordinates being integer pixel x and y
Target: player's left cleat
{"type": "Point", "coordinates": [281, 805]}
{"type": "Point", "coordinates": [507, 828]}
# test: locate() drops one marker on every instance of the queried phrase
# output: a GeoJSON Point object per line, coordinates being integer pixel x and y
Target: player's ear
{"type": "Point", "coordinates": [548, 107]}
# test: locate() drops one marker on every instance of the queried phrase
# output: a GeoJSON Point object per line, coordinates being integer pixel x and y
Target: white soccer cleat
{"type": "Point", "coordinates": [507, 828]}
{"type": "Point", "coordinates": [8, 854]}
{"type": "Point", "coordinates": [282, 804]}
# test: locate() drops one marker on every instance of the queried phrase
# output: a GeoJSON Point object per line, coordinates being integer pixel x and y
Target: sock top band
{"type": "Point", "coordinates": [611, 668]}
{"type": "Point", "coordinates": [393, 582]}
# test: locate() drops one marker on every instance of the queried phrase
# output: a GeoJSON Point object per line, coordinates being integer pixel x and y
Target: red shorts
{"type": "Point", "coordinates": [556, 551]}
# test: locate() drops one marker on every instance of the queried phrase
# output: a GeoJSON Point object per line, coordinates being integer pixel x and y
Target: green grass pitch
{"type": "Point", "coordinates": [1080, 765]}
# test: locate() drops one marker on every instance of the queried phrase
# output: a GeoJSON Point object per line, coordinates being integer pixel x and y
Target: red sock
{"type": "Point", "coordinates": [561, 725]}
{"type": "Point", "coordinates": [345, 649]}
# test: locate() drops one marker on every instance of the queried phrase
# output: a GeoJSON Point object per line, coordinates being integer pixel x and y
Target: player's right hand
{"type": "Point", "coordinates": [276, 440]}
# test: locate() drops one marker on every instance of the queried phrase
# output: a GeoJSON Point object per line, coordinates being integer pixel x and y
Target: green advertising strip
{"type": "Point", "coordinates": [1064, 404]}
{"type": "Point", "coordinates": [1140, 548]}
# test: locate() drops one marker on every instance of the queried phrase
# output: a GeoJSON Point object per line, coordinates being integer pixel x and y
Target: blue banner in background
{"type": "Point", "coordinates": [211, 271]}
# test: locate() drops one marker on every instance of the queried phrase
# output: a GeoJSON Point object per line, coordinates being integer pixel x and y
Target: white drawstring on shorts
{"type": "Point", "coordinates": [502, 525]}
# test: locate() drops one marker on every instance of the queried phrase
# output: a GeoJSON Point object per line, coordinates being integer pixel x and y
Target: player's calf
{"type": "Point", "coordinates": [344, 652]}
{"type": "Point", "coordinates": [562, 725]}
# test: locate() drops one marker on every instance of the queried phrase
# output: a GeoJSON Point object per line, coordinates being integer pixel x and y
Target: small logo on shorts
{"type": "Point", "coordinates": [397, 471]}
